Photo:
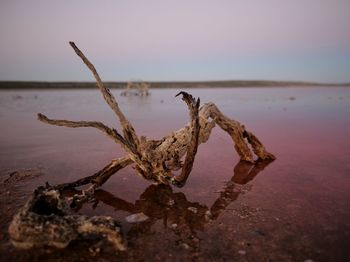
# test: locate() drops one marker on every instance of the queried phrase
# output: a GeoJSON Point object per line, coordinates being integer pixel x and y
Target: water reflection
{"type": "Point", "coordinates": [184, 218]}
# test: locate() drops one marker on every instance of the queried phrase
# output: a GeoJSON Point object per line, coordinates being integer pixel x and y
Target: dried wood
{"type": "Point", "coordinates": [156, 160]}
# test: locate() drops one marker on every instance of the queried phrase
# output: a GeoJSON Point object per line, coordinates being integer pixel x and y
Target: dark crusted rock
{"type": "Point", "coordinates": [46, 221]}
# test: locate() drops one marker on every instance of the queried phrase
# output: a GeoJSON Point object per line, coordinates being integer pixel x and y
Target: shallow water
{"type": "Point", "coordinates": [295, 208]}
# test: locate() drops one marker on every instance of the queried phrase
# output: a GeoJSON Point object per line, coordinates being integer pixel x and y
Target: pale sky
{"type": "Point", "coordinates": [159, 40]}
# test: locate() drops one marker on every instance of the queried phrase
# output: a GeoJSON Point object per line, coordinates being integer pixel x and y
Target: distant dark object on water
{"type": "Point", "coordinates": [136, 89]}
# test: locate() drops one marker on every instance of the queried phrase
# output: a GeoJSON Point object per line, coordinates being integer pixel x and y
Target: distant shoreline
{"type": "Point", "coordinates": [4, 85]}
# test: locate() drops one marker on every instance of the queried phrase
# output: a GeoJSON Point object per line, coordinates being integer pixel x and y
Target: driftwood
{"type": "Point", "coordinates": [136, 89]}
{"type": "Point", "coordinates": [46, 219]}
{"type": "Point", "coordinates": [155, 160]}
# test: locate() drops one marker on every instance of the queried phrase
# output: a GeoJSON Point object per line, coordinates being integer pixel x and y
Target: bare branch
{"type": "Point", "coordinates": [112, 133]}
{"type": "Point", "coordinates": [192, 146]}
{"type": "Point", "coordinates": [233, 128]}
{"type": "Point", "coordinates": [128, 130]}
{"type": "Point", "coordinates": [101, 176]}
{"type": "Point", "coordinates": [258, 147]}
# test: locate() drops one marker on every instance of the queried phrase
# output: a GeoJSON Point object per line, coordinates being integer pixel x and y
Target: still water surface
{"type": "Point", "coordinates": [295, 208]}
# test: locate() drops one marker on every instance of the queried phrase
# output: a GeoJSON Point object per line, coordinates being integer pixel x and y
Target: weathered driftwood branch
{"type": "Point", "coordinates": [101, 176]}
{"type": "Point", "coordinates": [128, 130]}
{"type": "Point", "coordinates": [156, 159]}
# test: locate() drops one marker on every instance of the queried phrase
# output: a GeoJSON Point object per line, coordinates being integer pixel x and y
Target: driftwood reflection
{"type": "Point", "coordinates": [184, 218]}
{"type": "Point", "coordinates": [243, 172]}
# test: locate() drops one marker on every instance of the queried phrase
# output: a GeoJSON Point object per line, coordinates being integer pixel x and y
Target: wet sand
{"type": "Point", "coordinates": [293, 209]}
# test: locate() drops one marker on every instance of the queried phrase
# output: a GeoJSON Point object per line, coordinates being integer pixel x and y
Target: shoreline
{"type": "Point", "coordinates": [8, 85]}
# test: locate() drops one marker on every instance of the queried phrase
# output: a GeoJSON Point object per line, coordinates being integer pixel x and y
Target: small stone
{"type": "Point", "coordinates": [171, 202]}
{"type": "Point", "coordinates": [136, 218]}
{"type": "Point", "coordinates": [242, 252]}
{"type": "Point", "coordinates": [186, 246]}
{"type": "Point", "coordinates": [173, 226]}
{"type": "Point", "coordinates": [193, 209]}
{"type": "Point", "coordinates": [208, 215]}
{"type": "Point", "coordinates": [308, 260]}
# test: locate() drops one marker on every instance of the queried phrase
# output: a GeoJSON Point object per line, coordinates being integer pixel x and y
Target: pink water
{"type": "Point", "coordinates": [297, 208]}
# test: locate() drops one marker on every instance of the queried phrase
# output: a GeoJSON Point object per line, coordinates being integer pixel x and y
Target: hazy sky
{"type": "Point", "coordinates": [176, 40]}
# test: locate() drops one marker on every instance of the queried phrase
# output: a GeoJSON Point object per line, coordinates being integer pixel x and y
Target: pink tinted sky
{"type": "Point", "coordinates": [176, 40]}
